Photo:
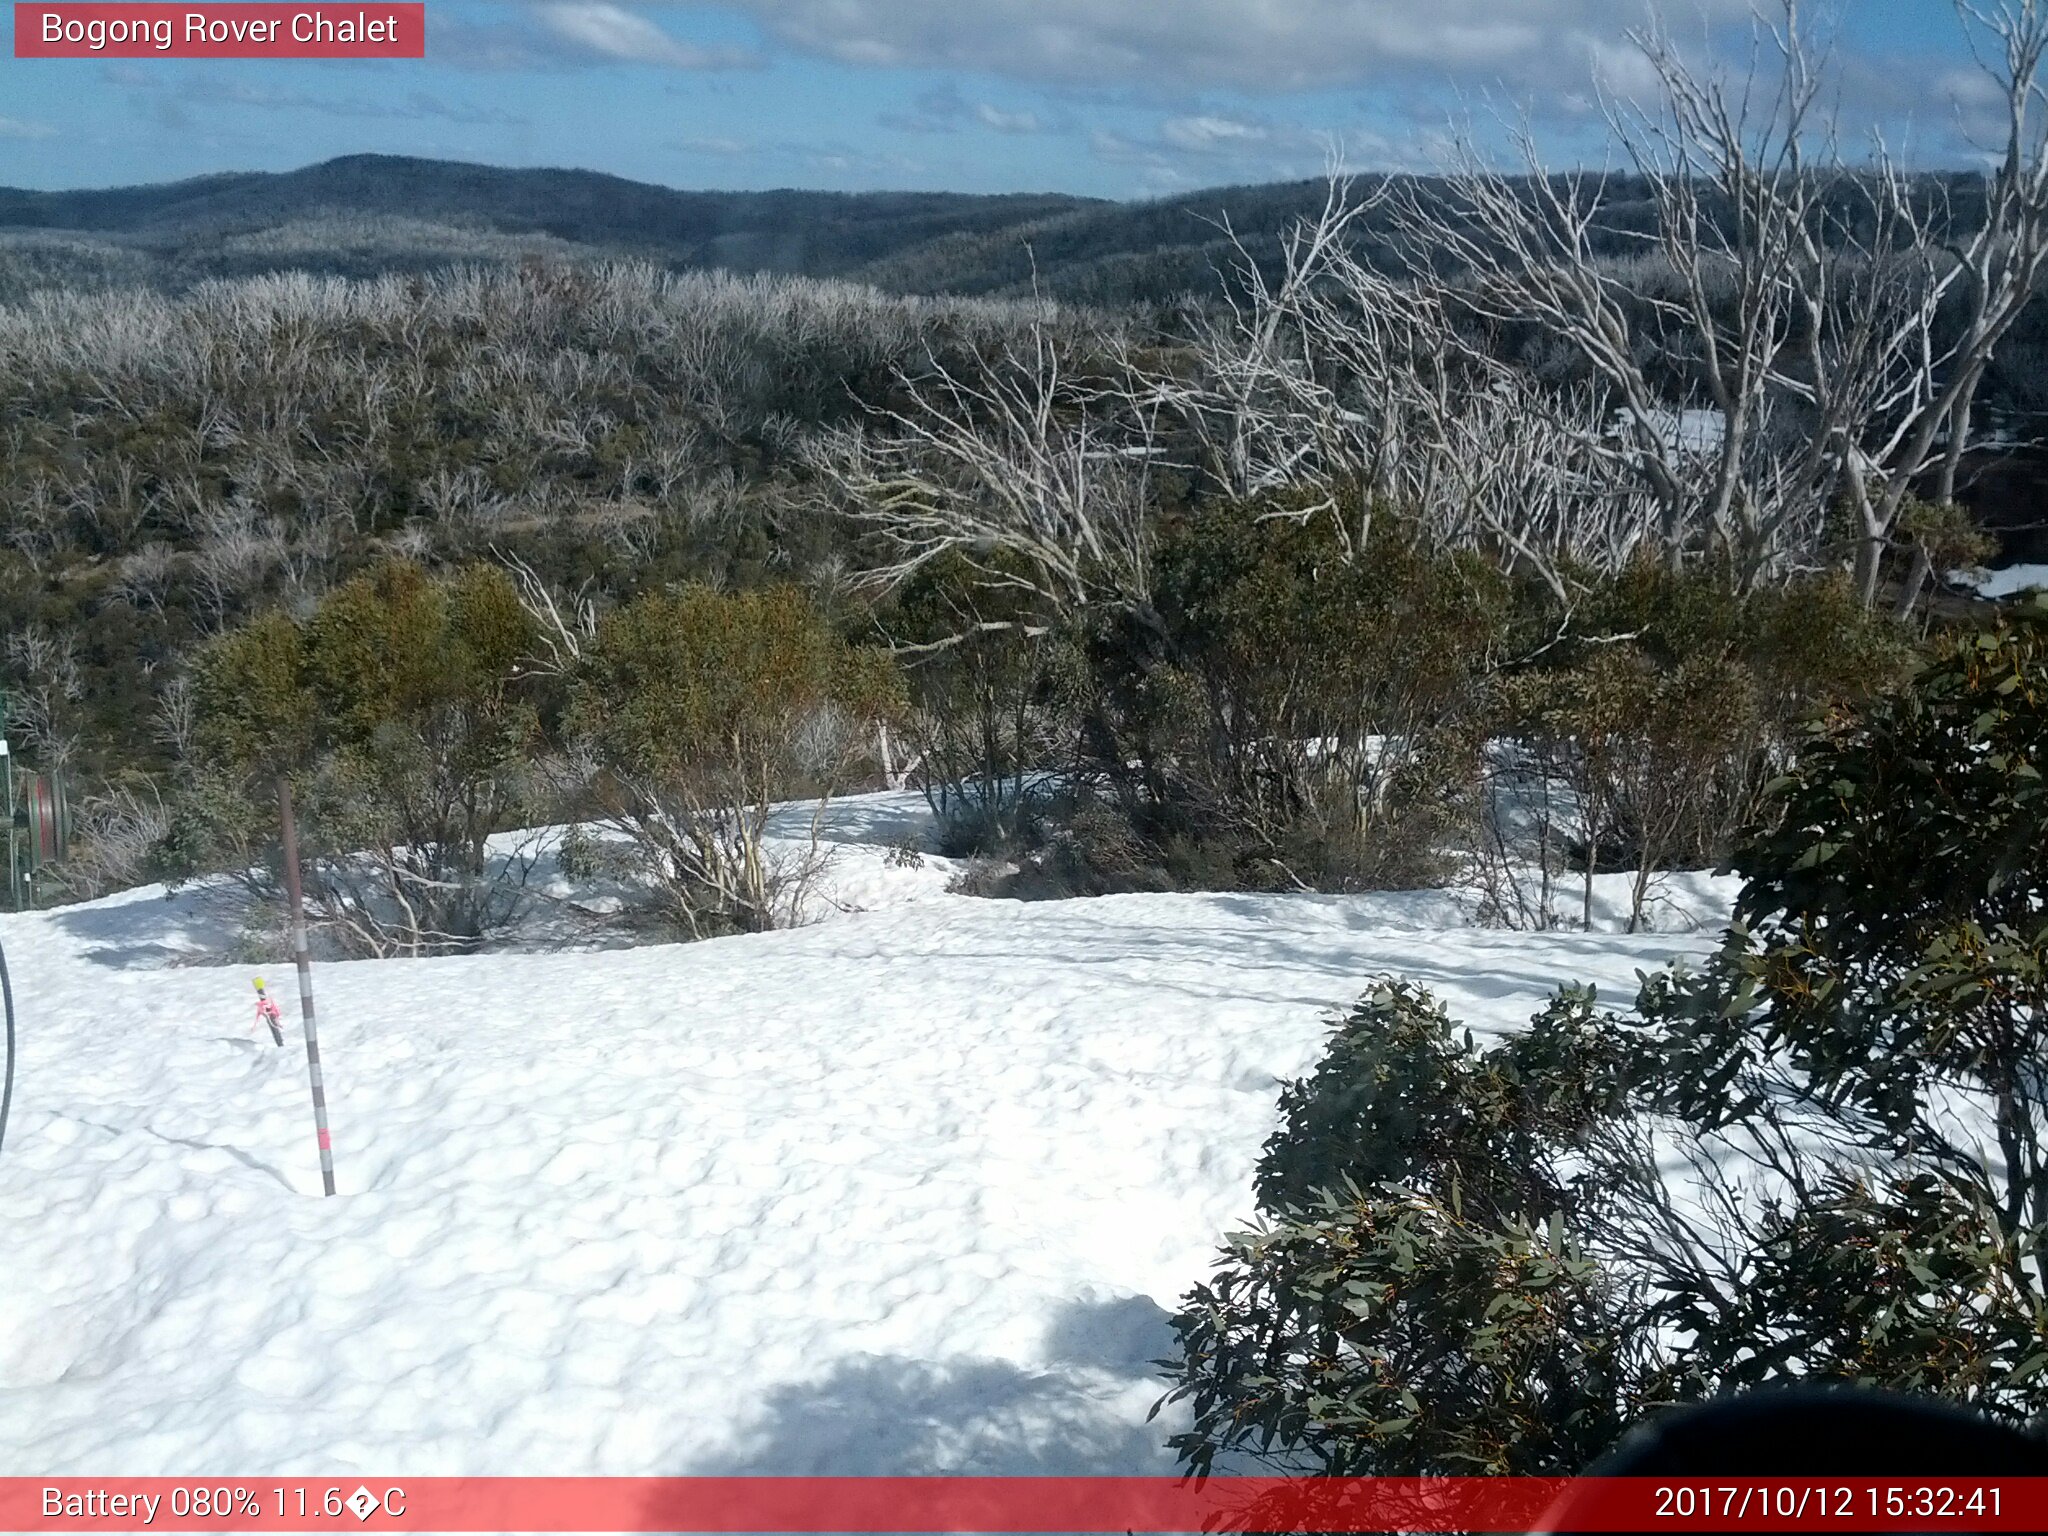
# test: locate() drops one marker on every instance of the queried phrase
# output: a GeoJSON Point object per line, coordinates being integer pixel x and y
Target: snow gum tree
{"type": "Point", "coordinates": [396, 710]}
{"type": "Point", "coordinates": [696, 713]}
{"type": "Point", "coordinates": [1311, 710]}
{"type": "Point", "coordinates": [995, 695]}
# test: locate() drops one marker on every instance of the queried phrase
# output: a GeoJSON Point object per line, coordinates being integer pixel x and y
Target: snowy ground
{"type": "Point", "coordinates": [910, 1190]}
{"type": "Point", "coordinates": [2008, 582]}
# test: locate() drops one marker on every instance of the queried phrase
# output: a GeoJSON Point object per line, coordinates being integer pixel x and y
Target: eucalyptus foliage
{"type": "Point", "coordinates": [396, 709]}
{"type": "Point", "coordinates": [1818, 1157]}
{"type": "Point", "coordinates": [698, 711]}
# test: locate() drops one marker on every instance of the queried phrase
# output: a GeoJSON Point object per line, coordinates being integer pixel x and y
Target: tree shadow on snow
{"type": "Point", "coordinates": [147, 930]}
{"type": "Point", "coordinates": [1124, 1335]}
{"type": "Point", "coordinates": [892, 1416]}
{"type": "Point", "coordinates": [1269, 970]}
{"type": "Point", "coordinates": [881, 820]}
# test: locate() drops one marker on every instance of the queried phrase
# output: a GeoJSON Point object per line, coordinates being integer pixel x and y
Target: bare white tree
{"type": "Point", "coordinates": [237, 551]}
{"type": "Point", "coordinates": [145, 577]}
{"type": "Point", "coordinates": [565, 627]}
{"type": "Point", "coordinates": [114, 833]}
{"type": "Point", "coordinates": [46, 685]}
{"type": "Point", "coordinates": [176, 720]}
{"type": "Point", "coordinates": [1345, 380]}
{"type": "Point", "coordinates": [1027, 468]}
{"type": "Point", "coordinates": [1781, 345]}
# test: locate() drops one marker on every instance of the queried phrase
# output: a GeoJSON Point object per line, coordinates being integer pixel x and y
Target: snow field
{"type": "Point", "coordinates": [912, 1190]}
{"type": "Point", "coordinates": [2010, 581]}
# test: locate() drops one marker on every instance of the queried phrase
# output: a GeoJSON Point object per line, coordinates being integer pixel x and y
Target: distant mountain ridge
{"type": "Point", "coordinates": [365, 213]}
{"type": "Point", "coordinates": [369, 215]}
{"type": "Point", "coordinates": [782, 231]}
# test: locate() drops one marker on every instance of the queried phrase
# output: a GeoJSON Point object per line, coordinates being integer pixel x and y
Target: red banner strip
{"type": "Point", "coordinates": [1018, 1504]}
{"type": "Point", "coordinates": [365, 30]}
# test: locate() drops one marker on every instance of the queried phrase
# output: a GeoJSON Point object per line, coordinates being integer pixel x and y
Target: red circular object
{"type": "Point", "coordinates": [42, 819]}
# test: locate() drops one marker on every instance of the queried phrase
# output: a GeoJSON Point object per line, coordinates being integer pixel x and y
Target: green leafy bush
{"type": "Point", "coordinates": [1307, 710]}
{"type": "Point", "coordinates": [994, 698]}
{"type": "Point", "coordinates": [1818, 1158]}
{"type": "Point", "coordinates": [1889, 967]}
{"type": "Point", "coordinates": [698, 711]}
{"type": "Point", "coordinates": [1654, 719]}
{"type": "Point", "coordinates": [1421, 1297]}
{"type": "Point", "coordinates": [396, 711]}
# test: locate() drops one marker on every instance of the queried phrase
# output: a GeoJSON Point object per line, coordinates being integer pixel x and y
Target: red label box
{"type": "Point", "coordinates": [367, 29]}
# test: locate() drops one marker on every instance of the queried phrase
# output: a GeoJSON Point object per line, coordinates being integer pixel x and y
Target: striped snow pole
{"type": "Point", "coordinates": [304, 961]}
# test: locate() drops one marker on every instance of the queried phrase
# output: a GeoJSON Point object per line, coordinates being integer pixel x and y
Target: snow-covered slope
{"type": "Point", "coordinates": [2008, 582]}
{"type": "Point", "coordinates": [910, 1190]}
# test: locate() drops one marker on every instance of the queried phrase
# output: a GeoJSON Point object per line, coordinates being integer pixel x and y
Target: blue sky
{"type": "Point", "coordinates": [1111, 98]}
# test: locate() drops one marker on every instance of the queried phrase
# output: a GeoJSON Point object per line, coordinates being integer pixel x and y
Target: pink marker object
{"type": "Point", "coordinates": [267, 1013]}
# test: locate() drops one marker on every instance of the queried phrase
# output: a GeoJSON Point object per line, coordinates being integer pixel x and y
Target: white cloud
{"type": "Point", "coordinates": [943, 109]}
{"type": "Point", "coordinates": [1260, 45]}
{"type": "Point", "coordinates": [1118, 149]}
{"type": "Point", "coordinates": [713, 144]}
{"type": "Point", "coordinates": [835, 158]}
{"type": "Point", "coordinates": [846, 160]}
{"type": "Point", "coordinates": [1208, 149]}
{"type": "Point", "coordinates": [213, 89]}
{"type": "Point", "coordinates": [1205, 135]}
{"type": "Point", "coordinates": [1154, 168]}
{"type": "Point", "coordinates": [1964, 111]}
{"type": "Point", "coordinates": [605, 31]}
{"type": "Point", "coordinates": [16, 128]}
{"type": "Point", "coordinates": [1213, 148]}
{"type": "Point", "coordinates": [1006, 122]}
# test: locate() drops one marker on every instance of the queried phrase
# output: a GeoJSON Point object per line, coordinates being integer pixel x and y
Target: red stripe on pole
{"type": "Point", "coordinates": [326, 1142]}
{"type": "Point", "coordinates": [1018, 1504]}
{"type": "Point", "coordinates": [94, 29]}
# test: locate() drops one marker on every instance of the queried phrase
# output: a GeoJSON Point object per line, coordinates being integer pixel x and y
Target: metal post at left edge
{"type": "Point", "coordinates": [304, 962]}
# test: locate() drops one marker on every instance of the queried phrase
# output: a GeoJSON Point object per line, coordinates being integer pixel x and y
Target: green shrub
{"type": "Point", "coordinates": [396, 711]}
{"type": "Point", "coordinates": [1820, 1158]}
{"type": "Point", "coordinates": [1669, 701]}
{"type": "Point", "coordinates": [699, 711]}
{"type": "Point", "coordinates": [1892, 938]}
{"type": "Point", "coordinates": [1312, 709]}
{"type": "Point", "coordinates": [993, 699]}
{"type": "Point", "coordinates": [1420, 1298]}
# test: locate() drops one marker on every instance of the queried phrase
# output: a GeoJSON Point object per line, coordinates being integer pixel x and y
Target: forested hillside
{"type": "Point", "coordinates": [367, 214]}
